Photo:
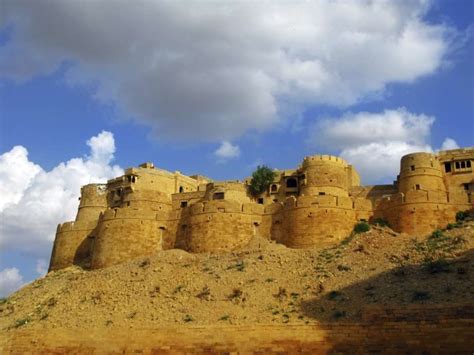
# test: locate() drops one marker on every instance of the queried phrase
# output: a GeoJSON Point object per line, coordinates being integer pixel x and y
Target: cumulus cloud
{"type": "Point", "coordinates": [41, 199]}
{"type": "Point", "coordinates": [449, 143]}
{"type": "Point", "coordinates": [214, 70]}
{"type": "Point", "coordinates": [227, 151]}
{"type": "Point", "coordinates": [375, 142]}
{"type": "Point", "coordinates": [10, 281]}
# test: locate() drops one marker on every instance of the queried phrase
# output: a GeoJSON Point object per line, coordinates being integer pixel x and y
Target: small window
{"type": "Point", "coordinates": [466, 187]}
{"type": "Point", "coordinates": [119, 192]}
{"type": "Point", "coordinates": [417, 187]}
{"type": "Point", "coordinates": [181, 189]}
{"type": "Point", "coordinates": [468, 164]}
{"type": "Point", "coordinates": [458, 166]}
{"type": "Point", "coordinates": [184, 204]}
{"type": "Point", "coordinates": [134, 179]}
{"type": "Point", "coordinates": [447, 167]}
{"type": "Point", "coordinates": [291, 183]}
{"type": "Point", "coordinates": [260, 201]}
{"type": "Point", "coordinates": [322, 194]}
{"type": "Point", "coordinates": [412, 168]}
{"type": "Point", "coordinates": [218, 196]}
{"type": "Point", "coordinates": [463, 165]}
{"type": "Point", "coordinates": [274, 188]}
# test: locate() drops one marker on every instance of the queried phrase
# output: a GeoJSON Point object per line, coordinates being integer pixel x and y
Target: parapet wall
{"type": "Point", "coordinates": [93, 201]}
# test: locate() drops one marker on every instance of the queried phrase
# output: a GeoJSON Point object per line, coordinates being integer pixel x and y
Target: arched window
{"type": "Point", "coordinates": [274, 188]}
{"type": "Point", "coordinates": [181, 189]}
{"type": "Point", "coordinates": [291, 182]}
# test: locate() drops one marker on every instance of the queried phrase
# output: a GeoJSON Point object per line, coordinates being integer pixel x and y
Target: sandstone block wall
{"type": "Point", "coordinates": [72, 244]}
{"type": "Point", "coordinates": [126, 234]}
{"type": "Point", "coordinates": [217, 225]}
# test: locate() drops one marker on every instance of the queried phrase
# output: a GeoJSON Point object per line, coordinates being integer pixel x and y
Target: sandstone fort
{"type": "Point", "coordinates": [315, 205]}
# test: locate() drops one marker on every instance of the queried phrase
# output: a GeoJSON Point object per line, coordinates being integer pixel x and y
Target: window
{"type": "Point", "coordinates": [291, 183]}
{"type": "Point", "coordinates": [274, 188]}
{"type": "Point", "coordinates": [447, 167]}
{"type": "Point", "coordinates": [184, 204]}
{"type": "Point", "coordinates": [466, 187]}
{"type": "Point", "coordinates": [260, 201]}
{"type": "Point", "coordinates": [322, 194]}
{"type": "Point", "coordinates": [468, 164]}
{"type": "Point", "coordinates": [417, 187]}
{"type": "Point", "coordinates": [218, 196]}
{"type": "Point", "coordinates": [412, 168]}
{"type": "Point", "coordinates": [181, 189]}
{"type": "Point", "coordinates": [458, 166]}
{"type": "Point", "coordinates": [463, 165]}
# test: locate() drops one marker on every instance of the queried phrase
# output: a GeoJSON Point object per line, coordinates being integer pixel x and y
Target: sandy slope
{"type": "Point", "coordinates": [265, 283]}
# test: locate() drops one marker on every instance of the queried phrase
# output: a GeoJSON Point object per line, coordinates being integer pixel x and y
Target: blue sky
{"type": "Point", "coordinates": [173, 84]}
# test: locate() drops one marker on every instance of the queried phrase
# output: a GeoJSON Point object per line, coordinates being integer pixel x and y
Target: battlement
{"type": "Point", "coordinates": [317, 159]}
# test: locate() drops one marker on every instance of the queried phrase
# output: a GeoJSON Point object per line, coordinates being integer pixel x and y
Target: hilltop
{"type": "Point", "coordinates": [263, 283]}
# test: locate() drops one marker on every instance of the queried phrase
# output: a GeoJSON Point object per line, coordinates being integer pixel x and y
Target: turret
{"type": "Point", "coordinates": [324, 175]}
{"type": "Point", "coordinates": [93, 201]}
{"type": "Point", "coordinates": [420, 171]}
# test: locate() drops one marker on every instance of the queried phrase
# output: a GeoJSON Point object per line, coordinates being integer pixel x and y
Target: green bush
{"type": "Point", "coordinates": [437, 234]}
{"type": "Point", "coordinates": [462, 215]}
{"type": "Point", "coordinates": [361, 227]}
{"type": "Point", "coordinates": [262, 177]}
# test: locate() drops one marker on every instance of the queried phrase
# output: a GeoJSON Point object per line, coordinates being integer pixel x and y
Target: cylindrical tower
{"type": "Point", "coordinates": [420, 171]}
{"type": "Point", "coordinates": [324, 175]}
{"type": "Point", "coordinates": [93, 202]}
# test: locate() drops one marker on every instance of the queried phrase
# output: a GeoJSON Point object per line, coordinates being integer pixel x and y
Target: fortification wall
{"type": "Point", "coordinates": [72, 244]}
{"type": "Point", "coordinates": [218, 225]}
{"type": "Point", "coordinates": [232, 190]}
{"type": "Point", "coordinates": [316, 221]}
{"type": "Point", "coordinates": [126, 233]}
{"type": "Point", "coordinates": [324, 174]}
{"type": "Point", "coordinates": [93, 201]}
{"type": "Point", "coordinates": [147, 199]}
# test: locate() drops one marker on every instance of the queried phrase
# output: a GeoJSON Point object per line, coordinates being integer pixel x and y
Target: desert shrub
{"type": "Point", "coordinates": [338, 314]}
{"type": "Point", "coordinates": [21, 322]}
{"type": "Point", "coordinates": [438, 233]}
{"type": "Point", "coordinates": [420, 296]}
{"type": "Point", "coordinates": [205, 294]}
{"type": "Point", "coordinates": [333, 295]}
{"type": "Point", "coordinates": [3, 300]}
{"type": "Point", "coordinates": [381, 222]}
{"type": "Point", "coordinates": [437, 266]}
{"type": "Point", "coordinates": [187, 318]}
{"type": "Point", "coordinates": [361, 227]}
{"type": "Point", "coordinates": [462, 215]}
{"type": "Point", "coordinates": [262, 177]}
{"type": "Point", "coordinates": [236, 294]}
{"type": "Point", "coordinates": [343, 267]}
{"type": "Point", "coordinates": [224, 317]}
{"type": "Point", "coordinates": [239, 265]}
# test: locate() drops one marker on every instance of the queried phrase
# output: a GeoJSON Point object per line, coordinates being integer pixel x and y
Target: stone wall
{"type": "Point", "coordinates": [218, 225]}
{"type": "Point", "coordinates": [441, 329]}
{"type": "Point", "coordinates": [125, 234]}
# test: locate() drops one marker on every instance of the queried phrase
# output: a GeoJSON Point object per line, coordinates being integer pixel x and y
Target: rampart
{"type": "Point", "coordinates": [315, 205]}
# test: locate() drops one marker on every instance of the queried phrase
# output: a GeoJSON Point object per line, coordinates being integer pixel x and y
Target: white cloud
{"type": "Point", "coordinates": [375, 142]}
{"type": "Point", "coordinates": [42, 199]}
{"type": "Point", "coordinates": [10, 281]}
{"type": "Point", "coordinates": [42, 267]}
{"type": "Point", "coordinates": [449, 143]}
{"type": "Point", "coordinates": [227, 151]}
{"type": "Point", "coordinates": [214, 70]}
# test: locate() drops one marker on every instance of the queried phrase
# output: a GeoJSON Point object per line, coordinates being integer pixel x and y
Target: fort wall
{"type": "Point", "coordinates": [316, 220]}
{"type": "Point", "coordinates": [72, 244]}
{"type": "Point", "coordinates": [217, 225]}
{"type": "Point", "coordinates": [125, 234]}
